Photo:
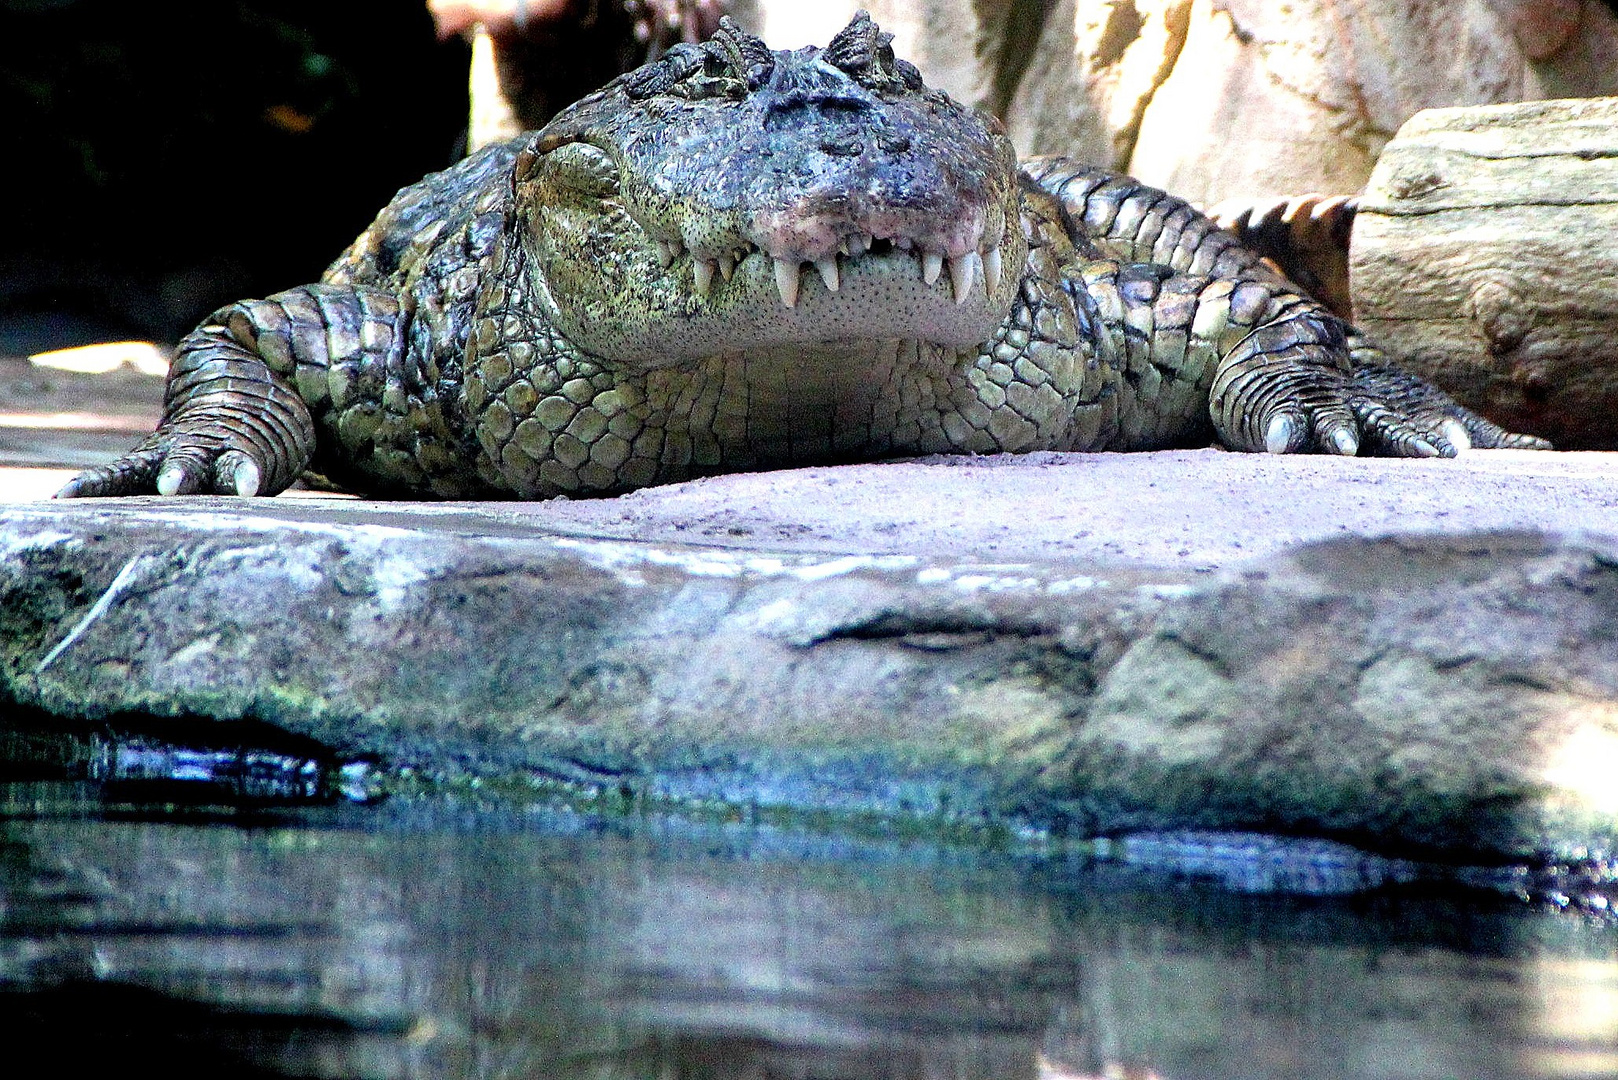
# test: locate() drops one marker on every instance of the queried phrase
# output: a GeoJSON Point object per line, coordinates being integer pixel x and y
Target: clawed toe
{"type": "Point", "coordinates": [1490, 436]}
{"type": "Point", "coordinates": [179, 468]}
{"type": "Point", "coordinates": [236, 474]}
{"type": "Point", "coordinates": [1281, 435]}
{"type": "Point", "coordinates": [1405, 417]}
{"type": "Point", "coordinates": [130, 475]}
{"type": "Point", "coordinates": [1290, 433]}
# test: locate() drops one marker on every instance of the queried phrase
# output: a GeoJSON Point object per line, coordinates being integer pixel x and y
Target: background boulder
{"type": "Point", "coordinates": [1483, 251]}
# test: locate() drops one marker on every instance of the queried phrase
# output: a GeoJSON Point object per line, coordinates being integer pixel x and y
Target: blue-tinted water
{"type": "Point", "coordinates": [419, 940]}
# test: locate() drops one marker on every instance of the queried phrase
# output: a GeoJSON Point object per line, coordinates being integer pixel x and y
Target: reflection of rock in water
{"type": "Point", "coordinates": [87, 1028]}
{"type": "Point", "coordinates": [722, 1057]}
{"type": "Point", "coordinates": [1254, 863]}
{"type": "Point", "coordinates": [156, 764]}
{"type": "Point", "coordinates": [432, 943]}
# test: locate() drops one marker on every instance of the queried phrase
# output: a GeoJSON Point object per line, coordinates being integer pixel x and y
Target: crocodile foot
{"type": "Point", "coordinates": [1402, 416]}
{"type": "Point", "coordinates": [172, 462]}
{"type": "Point", "coordinates": [1287, 388]}
{"type": "Point", "coordinates": [230, 428]}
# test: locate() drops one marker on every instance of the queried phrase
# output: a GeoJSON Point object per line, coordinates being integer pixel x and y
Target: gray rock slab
{"type": "Point", "coordinates": [1408, 655]}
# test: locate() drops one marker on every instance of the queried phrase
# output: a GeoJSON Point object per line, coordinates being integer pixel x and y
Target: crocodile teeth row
{"type": "Point", "coordinates": [703, 270]}
{"type": "Point", "coordinates": [963, 269]}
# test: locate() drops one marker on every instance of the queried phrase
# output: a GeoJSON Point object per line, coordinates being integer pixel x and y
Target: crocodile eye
{"type": "Point", "coordinates": [583, 168]}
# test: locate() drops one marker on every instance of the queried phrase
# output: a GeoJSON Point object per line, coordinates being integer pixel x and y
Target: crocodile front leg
{"type": "Point", "coordinates": [319, 376]}
{"type": "Point", "coordinates": [232, 424]}
{"type": "Point", "coordinates": [1294, 376]}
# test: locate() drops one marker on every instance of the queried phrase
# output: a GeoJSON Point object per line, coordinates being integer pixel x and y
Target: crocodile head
{"type": "Point", "coordinates": [727, 198]}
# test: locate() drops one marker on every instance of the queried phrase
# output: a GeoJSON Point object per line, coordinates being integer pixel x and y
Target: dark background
{"type": "Point", "coordinates": [160, 159]}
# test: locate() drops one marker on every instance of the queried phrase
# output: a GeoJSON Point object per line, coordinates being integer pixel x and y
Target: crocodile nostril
{"type": "Point", "coordinates": [842, 147]}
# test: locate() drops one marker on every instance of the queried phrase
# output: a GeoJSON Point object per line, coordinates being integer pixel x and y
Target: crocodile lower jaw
{"type": "Point", "coordinates": [766, 303]}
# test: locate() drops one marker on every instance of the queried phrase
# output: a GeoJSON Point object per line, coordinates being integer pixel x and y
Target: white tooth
{"type": "Point", "coordinates": [991, 269]}
{"type": "Point", "coordinates": [845, 247]}
{"type": "Point", "coordinates": [962, 269]}
{"type": "Point", "coordinates": [786, 281]}
{"type": "Point", "coordinates": [828, 272]}
{"type": "Point", "coordinates": [702, 270]}
{"type": "Point", "coordinates": [932, 264]}
{"type": "Point", "coordinates": [865, 241]}
{"type": "Point", "coordinates": [727, 265]}
{"type": "Point", "coordinates": [665, 253]}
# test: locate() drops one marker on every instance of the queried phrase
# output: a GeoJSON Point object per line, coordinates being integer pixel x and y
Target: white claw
{"type": "Point", "coordinates": [932, 264]}
{"type": "Point", "coordinates": [1278, 435]}
{"type": "Point", "coordinates": [1345, 442]}
{"type": "Point", "coordinates": [828, 272]}
{"type": "Point", "coordinates": [245, 478]}
{"type": "Point", "coordinates": [786, 281]}
{"type": "Point", "coordinates": [991, 269]}
{"type": "Point", "coordinates": [1456, 432]}
{"type": "Point", "coordinates": [962, 269]}
{"type": "Point", "coordinates": [168, 481]}
{"type": "Point", "coordinates": [702, 275]}
{"type": "Point", "coordinates": [727, 265]}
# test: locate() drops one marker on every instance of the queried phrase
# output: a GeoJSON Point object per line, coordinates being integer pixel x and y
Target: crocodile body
{"type": "Point", "coordinates": [735, 259]}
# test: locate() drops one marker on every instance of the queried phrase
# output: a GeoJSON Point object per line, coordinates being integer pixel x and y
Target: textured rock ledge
{"type": "Point", "coordinates": [1436, 693]}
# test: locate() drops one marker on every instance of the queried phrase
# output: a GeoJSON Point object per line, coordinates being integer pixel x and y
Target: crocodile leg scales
{"type": "Point", "coordinates": [1351, 397]}
{"type": "Point", "coordinates": [231, 424]}
{"type": "Point", "coordinates": [317, 376]}
{"type": "Point", "coordinates": [1193, 350]}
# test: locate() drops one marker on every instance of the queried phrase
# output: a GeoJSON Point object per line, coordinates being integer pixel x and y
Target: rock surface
{"type": "Point", "coordinates": [1086, 644]}
{"type": "Point", "coordinates": [1277, 99]}
{"type": "Point", "coordinates": [1483, 250]}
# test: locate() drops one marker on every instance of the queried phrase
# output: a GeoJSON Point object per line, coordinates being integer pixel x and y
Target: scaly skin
{"type": "Point", "coordinates": [737, 259]}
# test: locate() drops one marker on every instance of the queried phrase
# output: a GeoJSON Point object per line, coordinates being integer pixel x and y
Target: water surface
{"type": "Point", "coordinates": [423, 940]}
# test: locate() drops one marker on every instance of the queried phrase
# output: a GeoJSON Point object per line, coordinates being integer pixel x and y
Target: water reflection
{"type": "Point", "coordinates": [438, 946]}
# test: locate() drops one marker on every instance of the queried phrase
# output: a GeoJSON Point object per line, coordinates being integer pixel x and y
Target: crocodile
{"type": "Point", "coordinates": [734, 258]}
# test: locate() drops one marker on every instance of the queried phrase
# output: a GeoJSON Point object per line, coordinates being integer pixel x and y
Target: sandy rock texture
{"type": "Point", "coordinates": [816, 641]}
{"type": "Point", "coordinates": [1437, 690]}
